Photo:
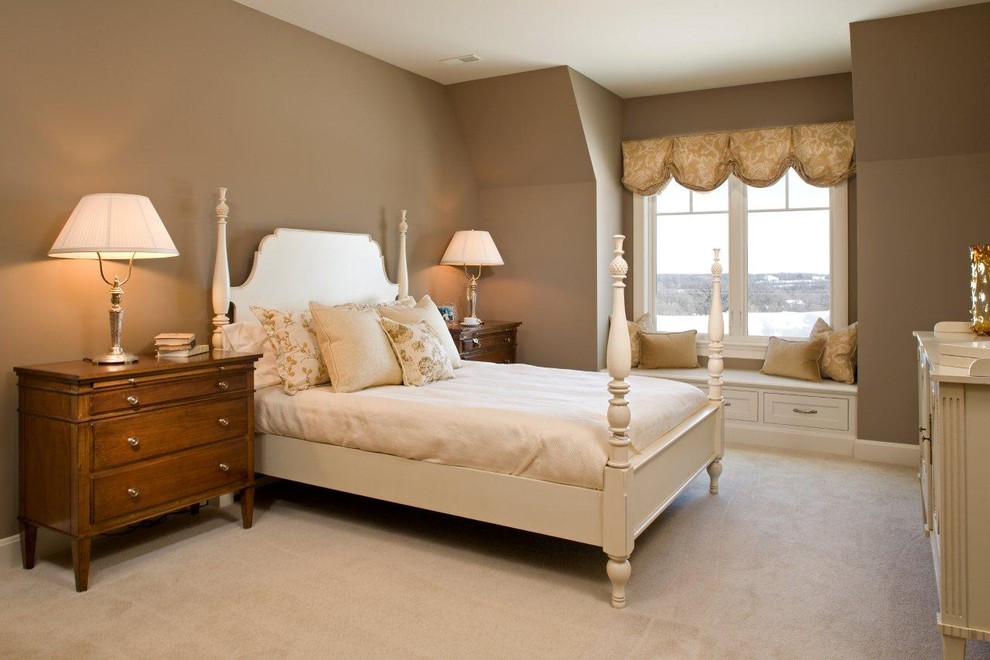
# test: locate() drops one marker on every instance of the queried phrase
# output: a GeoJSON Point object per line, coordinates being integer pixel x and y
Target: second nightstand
{"type": "Point", "coordinates": [492, 341]}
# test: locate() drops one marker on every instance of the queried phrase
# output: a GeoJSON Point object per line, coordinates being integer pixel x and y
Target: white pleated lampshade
{"type": "Point", "coordinates": [116, 226]}
{"type": "Point", "coordinates": [472, 248]}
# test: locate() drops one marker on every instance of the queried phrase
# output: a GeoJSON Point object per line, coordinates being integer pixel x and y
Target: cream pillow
{"type": "Point", "coordinates": [643, 324]}
{"type": "Point", "coordinates": [426, 310]}
{"type": "Point", "coordinates": [668, 350]}
{"type": "Point", "coordinates": [794, 359]}
{"type": "Point", "coordinates": [297, 353]}
{"type": "Point", "coordinates": [251, 338]}
{"type": "Point", "coordinates": [839, 358]}
{"type": "Point", "coordinates": [420, 351]}
{"type": "Point", "coordinates": [354, 347]}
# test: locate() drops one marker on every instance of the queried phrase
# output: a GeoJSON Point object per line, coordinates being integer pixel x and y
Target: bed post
{"type": "Point", "coordinates": [616, 526]}
{"type": "Point", "coordinates": [403, 271]}
{"type": "Point", "coordinates": [715, 334]}
{"type": "Point", "coordinates": [221, 275]}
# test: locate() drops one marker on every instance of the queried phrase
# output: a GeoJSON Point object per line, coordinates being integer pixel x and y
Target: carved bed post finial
{"type": "Point", "coordinates": [221, 274]}
{"type": "Point", "coordinates": [716, 331]}
{"type": "Point", "coordinates": [618, 539]}
{"type": "Point", "coordinates": [403, 273]}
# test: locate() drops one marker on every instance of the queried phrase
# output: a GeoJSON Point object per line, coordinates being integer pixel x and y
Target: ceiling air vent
{"type": "Point", "coordinates": [463, 59]}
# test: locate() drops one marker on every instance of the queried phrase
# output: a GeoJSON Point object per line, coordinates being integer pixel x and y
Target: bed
{"type": "Point", "coordinates": [637, 477]}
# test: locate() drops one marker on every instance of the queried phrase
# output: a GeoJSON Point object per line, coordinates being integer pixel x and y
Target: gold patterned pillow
{"type": "Point", "coordinates": [420, 352]}
{"type": "Point", "coordinates": [839, 358]}
{"type": "Point", "coordinates": [636, 328]}
{"type": "Point", "coordinates": [297, 354]}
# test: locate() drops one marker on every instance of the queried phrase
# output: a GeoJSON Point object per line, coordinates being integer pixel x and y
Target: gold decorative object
{"type": "Point", "coordinates": [979, 287]}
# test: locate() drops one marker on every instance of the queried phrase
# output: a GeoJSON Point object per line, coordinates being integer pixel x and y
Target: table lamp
{"type": "Point", "coordinates": [472, 248]}
{"type": "Point", "coordinates": [114, 226]}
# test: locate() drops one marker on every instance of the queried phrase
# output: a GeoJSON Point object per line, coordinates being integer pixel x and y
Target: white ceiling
{"type": "Point", "coordinates": [632, 47]}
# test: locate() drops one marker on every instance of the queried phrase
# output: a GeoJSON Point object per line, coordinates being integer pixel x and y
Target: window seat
{"type": "Point", "coordinates": [780, 412]}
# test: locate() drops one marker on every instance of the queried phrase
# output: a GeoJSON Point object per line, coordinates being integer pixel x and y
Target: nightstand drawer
{"type": "Point", "coordinates": [488, 341]}
{"type": "Point", "coordinates": [741, 405]}
{"type": "Point", "coordinates": [137, 396]}
{"type": "Point", "coordinates": [152, 484]}
{"type": "Point", "coordinates": [500, 355]}
{"type": "Point", "coordinates": [137, 437]}
{"type": "Point", "coordinates": [811, 411]}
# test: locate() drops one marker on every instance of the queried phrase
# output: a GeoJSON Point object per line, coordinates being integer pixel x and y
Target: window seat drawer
{"type": "Point", "coordinates": [816, 412]}
{"type": "Point", "coordinates": [741, 405]}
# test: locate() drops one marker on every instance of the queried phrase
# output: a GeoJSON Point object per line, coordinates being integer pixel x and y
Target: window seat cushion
{"type": "Point", "coordinates": [750, 378]}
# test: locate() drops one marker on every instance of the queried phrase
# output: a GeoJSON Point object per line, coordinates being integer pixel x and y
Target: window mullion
{"type": "Point", "coordinates": [737, 257]}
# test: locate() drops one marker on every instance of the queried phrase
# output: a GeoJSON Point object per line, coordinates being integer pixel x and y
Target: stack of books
{"type": "Point", "coordinates": [178, 345]}
{"type": "Point", "coordinates": [971, 356]}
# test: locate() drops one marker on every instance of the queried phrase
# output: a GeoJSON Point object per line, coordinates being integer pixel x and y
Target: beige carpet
{"type": "Point", "coordinates": [799, 556]}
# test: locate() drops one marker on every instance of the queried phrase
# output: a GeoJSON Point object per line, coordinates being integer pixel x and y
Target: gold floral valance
{"type": "Point", "coordinates": [822, 154]}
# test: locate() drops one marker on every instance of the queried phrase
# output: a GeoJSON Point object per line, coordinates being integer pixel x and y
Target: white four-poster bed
{"type": "Point", "coordinates": [293, 267]}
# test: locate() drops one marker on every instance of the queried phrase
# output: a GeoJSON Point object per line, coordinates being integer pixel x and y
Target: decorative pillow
{"type": "Point", "coordinates": [252, 338]}
{"type": "Point", "coordinates": [794, 359]}
{"type": "Point", "coordinates": [643, 324]}
{"type": "Point", "coordinates": [419, 350]}
{"type": "Point", "coordinates": [668, 350]}
{"type": "Point", "coordinates": [425, 310]}
{"type": "Point", "coordinates": [354, 348]}
{"type": "Point", "coordinates": [839, 358]}
{"type": "Point", "coordinates": [297, 354]}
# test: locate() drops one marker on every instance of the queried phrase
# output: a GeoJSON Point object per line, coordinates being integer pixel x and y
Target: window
{"type": "Point", "coordinates": [783, 255]}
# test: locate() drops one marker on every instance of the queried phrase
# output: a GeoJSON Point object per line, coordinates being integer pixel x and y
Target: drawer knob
{"type": "Point", "coordinates": [223, 421]}
{"type": "Point", "coordinates": [133, 400]}
{"type": "Point", "coordinates": [805, 411]}
{"type": "Point", "coordinates": [134, 441]}
{"type": "Point", "coordinates": [224, 467]}
{"type": "Point", "coordinates": [134, 492]}
{"type": "Point", "coordinates": [222, 385]}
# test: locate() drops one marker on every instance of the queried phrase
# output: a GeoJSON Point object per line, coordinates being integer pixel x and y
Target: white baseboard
{"type": "Point", "coordinates": [887, 452]}
{"type": "Point", "coordinates": [765, 435]}
{"type": "Point", "coordinates": [823, 442]}
{"type": "Point", "coordinates": [49, 543]}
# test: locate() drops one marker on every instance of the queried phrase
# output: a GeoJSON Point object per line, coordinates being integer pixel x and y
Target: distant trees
{"type": "Point", "coordinates": [681, 295]}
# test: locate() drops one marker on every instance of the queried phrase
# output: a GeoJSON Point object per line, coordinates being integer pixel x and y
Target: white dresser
{"type": "Point", "coordinates": [954, 430]}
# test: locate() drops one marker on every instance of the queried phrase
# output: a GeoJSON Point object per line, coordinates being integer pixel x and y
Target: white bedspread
{"type": "Point", "coordinates": [546, 424]}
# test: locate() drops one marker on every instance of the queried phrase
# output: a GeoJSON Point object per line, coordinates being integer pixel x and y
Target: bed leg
{"type": "Point", "coordinates": [714, 470]}
{"type": "Point", "coordinates": [619, 569]}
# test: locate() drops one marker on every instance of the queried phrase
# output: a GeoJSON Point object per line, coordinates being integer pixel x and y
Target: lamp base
{"type": "Point", "coordinates": [471, 320]}
{"type": "Point", "coordinates": [114, 358]}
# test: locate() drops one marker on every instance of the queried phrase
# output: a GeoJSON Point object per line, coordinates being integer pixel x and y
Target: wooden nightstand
{"type": "Point", "coordinates": [102, 446]}
{"type": "Point", "coordinates": [492, 341]}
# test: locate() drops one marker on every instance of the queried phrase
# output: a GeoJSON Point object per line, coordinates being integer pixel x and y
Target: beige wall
{"type": "Point", "coordinates": [922, 101]}
{"type": "Point", "coordinates": [171, 99]}
{"type": "Point", "coordinates": [601, 119]}
{"type": "Point", "coordinates": [538, 142]}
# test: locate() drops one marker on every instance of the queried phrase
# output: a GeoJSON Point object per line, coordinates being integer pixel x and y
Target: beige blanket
{"type": "Point", "coordinates": [546, 424]}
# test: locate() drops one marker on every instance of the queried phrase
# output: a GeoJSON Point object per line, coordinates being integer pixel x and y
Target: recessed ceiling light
{"type": "Point", "coordinates": [462, 59]}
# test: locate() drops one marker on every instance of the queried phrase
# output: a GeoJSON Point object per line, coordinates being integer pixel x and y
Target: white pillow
{"type": "Point", "coordinates": [420, 353]}
{"type": "Point", "coordinates": [252, 338]}
{"type": "Point", "coordinates": [426, 310]}
{"type": "Point", "coordinates": [355, 349]}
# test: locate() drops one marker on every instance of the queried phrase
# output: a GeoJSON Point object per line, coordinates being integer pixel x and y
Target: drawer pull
{"type": "Point", "coordinates": [223, 421]}
{"type": "Point", "coordinates": [134, 492]}
{"type": "Point", "coordinates": [224, 467]}
{"type": "Point", "coordinates": [222, 385]}
{"type": "Point", "coordinates": [134, 441]}
{"type": "Point", "coordinates": [477, 342]}
{"type": "Point", "coordinates": [727, 404]}
{"type": "Point", "coordinates": [805, 411]}
{"type": "Point", "coordinates": [508, 340]}
{"type": "Point", "coordinates": [133, 400]}
{"type": "Point", "coordinates": [506, 361]}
